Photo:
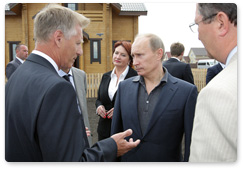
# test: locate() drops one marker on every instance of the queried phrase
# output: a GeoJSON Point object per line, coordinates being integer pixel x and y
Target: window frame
{"type": "Point", "coordinates": [11, 54]}
{"type": "Point", "coordinates": [98, 59]}
{"type": "Point", "coordinates": [76, 6]}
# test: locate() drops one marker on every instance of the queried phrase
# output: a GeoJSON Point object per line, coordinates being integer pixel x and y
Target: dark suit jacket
{"type": "Point", "coordinates": [12, 66]}
{"type": "Point", "coordinates": [213, 71]}
{"type": "Point", "coordinates": [172, 117]}
{"type": "Point", "coordinates": [104, 125]}
{"type": "Point", "coordinates": [42, 121]}
{"type": "Point", "coordinates": [179, 69]}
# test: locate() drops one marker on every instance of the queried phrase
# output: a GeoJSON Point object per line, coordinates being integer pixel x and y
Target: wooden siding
{"type": "Point", "coordinates": [13, 23]}
{"type": "Point", "coordinates": [104, 19]}
{"type": "Point", "coordinates": [33, 9]}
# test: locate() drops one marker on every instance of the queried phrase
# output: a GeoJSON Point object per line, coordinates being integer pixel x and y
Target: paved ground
{"type": "Point", "coordinates": [93, 118]}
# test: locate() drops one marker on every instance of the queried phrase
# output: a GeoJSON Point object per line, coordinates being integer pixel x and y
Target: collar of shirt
{"type": "Point", "coordinates": [123, 75]}
{"type": "Point", "coordinates": [163, 80]}
{"type": "Point", "coordinates": [222, 65]}
{"type": "Point", "coordinates": [113, 83]}
{"type": "Point", "coordinates": [22, 61]}
{"type": "Point", "coordinates": [231, 54]}
{"type": "Point", "coordinates": [175, 58]}
{"type": "Point", "coordinates": [62, 73]}
{"type": "Point", "coordinates": [47, 58]}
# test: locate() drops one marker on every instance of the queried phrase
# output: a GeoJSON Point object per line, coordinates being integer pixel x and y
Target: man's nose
{"type": "Point", "coordinates": [135, 62]}
{"type": "Point", "coordinates": [80, 51]}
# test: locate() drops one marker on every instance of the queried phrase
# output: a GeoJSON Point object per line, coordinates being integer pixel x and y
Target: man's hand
{"type": "Point", "coordinates": [124, 146]}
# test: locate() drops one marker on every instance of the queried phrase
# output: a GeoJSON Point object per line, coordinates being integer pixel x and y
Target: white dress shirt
{"type": "Point", "coordinates": [113, 86]}
{"type": "Point", "coordinates": [175, 58]}
{"type": "Point", "coordinates": [22, 61]}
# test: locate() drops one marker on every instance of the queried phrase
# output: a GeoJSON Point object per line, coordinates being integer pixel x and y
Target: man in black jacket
{"type": "Point", "coordinates": [174, 65]}
{"type": "Point", "coordinates": [213, 71]}
{"type": "Point", "coordinates": [42, 120]}
{"type": "Point", "coordinates": [21, 55]}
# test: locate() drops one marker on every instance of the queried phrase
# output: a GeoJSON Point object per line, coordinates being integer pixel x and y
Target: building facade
{"type": "Point", "coordinates": [196, 54]}
{"type": "Point", "coordinates": [110, 22]}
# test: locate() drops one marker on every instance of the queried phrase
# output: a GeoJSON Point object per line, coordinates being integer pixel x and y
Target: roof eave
{"type": "Point", "coordinates": [14, 9]}
{"type": "Point", "coordinates": [133, 13]}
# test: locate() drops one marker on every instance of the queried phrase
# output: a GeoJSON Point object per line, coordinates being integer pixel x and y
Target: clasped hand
{"type": "Point", "coordinates": [104, 113]}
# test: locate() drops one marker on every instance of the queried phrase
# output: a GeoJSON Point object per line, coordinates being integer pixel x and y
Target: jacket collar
{"type": "Point", "coordinates": [40, 60]}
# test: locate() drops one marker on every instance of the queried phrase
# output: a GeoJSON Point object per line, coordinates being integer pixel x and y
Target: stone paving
{"type": "Point", "coordinates": [93, 118]}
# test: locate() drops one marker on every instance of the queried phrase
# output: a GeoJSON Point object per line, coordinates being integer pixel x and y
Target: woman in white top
{"type": "Point", "coordinates": [123, 62]}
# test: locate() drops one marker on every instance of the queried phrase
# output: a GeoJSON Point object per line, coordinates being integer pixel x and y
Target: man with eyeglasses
{"type": "Point", "coordinates": [214, 136]}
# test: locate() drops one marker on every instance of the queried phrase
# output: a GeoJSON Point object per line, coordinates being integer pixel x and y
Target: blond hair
{"type": "Point", "coordinates": [55, 17]}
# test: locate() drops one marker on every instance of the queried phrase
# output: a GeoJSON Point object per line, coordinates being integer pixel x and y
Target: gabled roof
{"type": "Point", "coordinates": [127, 9]}
{"type": "Point", "coordinates": [130, 9]}
{"type": "Point", "coordinates": [199, 51]}
{"type": "Point", "coordinates": [9, 9]}
{"type": "Point", "coordinates": [133, 7]}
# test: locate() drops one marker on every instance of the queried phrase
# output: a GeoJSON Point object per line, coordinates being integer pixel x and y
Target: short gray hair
{"type": "Point", "coordinates": [209, 9]}
{"type": "Point", "coordinates": [55, 17]}
{"type": "Point", "coordinates": [154, 41]}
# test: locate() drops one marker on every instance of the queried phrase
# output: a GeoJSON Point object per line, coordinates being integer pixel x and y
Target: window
{"type": "Point", "coordinates": [95, 53]}
{"type": "Point", "coordinates": [12, 46]}
{"type": "Point", "coordinates": [203, 63]}
{"type": "Point", "coordinates": [73, 6]}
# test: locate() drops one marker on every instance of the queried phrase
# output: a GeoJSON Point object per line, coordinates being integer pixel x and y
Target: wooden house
{"type": "Point", "coordinates": [110, 22]}
{"type": "Point", "coordinates": [196, 54]}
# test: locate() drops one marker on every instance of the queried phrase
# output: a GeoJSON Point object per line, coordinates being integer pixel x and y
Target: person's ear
{"type": "Point", "coordinates": [58, 37]}
{"type": "Point", "coordinates": [222, 23]}
{"type": "Point", "coordinates": [160, 53]}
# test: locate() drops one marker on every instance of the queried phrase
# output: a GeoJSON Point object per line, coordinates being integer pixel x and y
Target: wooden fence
{"type": "Point", "coordinates": [199, 76]}
{"type": "Point", "coordinates": [93, 81]}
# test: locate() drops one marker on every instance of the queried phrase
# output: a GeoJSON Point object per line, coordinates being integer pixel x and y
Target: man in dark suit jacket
{"type": "Point", "coordinates": [21, 55]}
{"type": "Point", "coordinates": [174, 65]}
{"type": "Point", "coordinates": [213, 71]}
{"type": "Point", "coordinates": [158, 107]}
{"type": "Point", "coordinates": [47, 125]}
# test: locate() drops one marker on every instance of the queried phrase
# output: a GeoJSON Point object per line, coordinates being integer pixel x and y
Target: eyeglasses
{"type": "Point", "coordinates": [194, 26]}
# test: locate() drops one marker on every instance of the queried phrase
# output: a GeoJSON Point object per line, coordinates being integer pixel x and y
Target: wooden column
{"type": "Point", "coordinates": [108, 25]}
{"type": "Point", "coordinates": [25, 33]}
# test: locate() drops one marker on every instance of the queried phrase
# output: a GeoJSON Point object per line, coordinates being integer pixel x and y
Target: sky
{"type": "Point", "coordinates": [170, 21]}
